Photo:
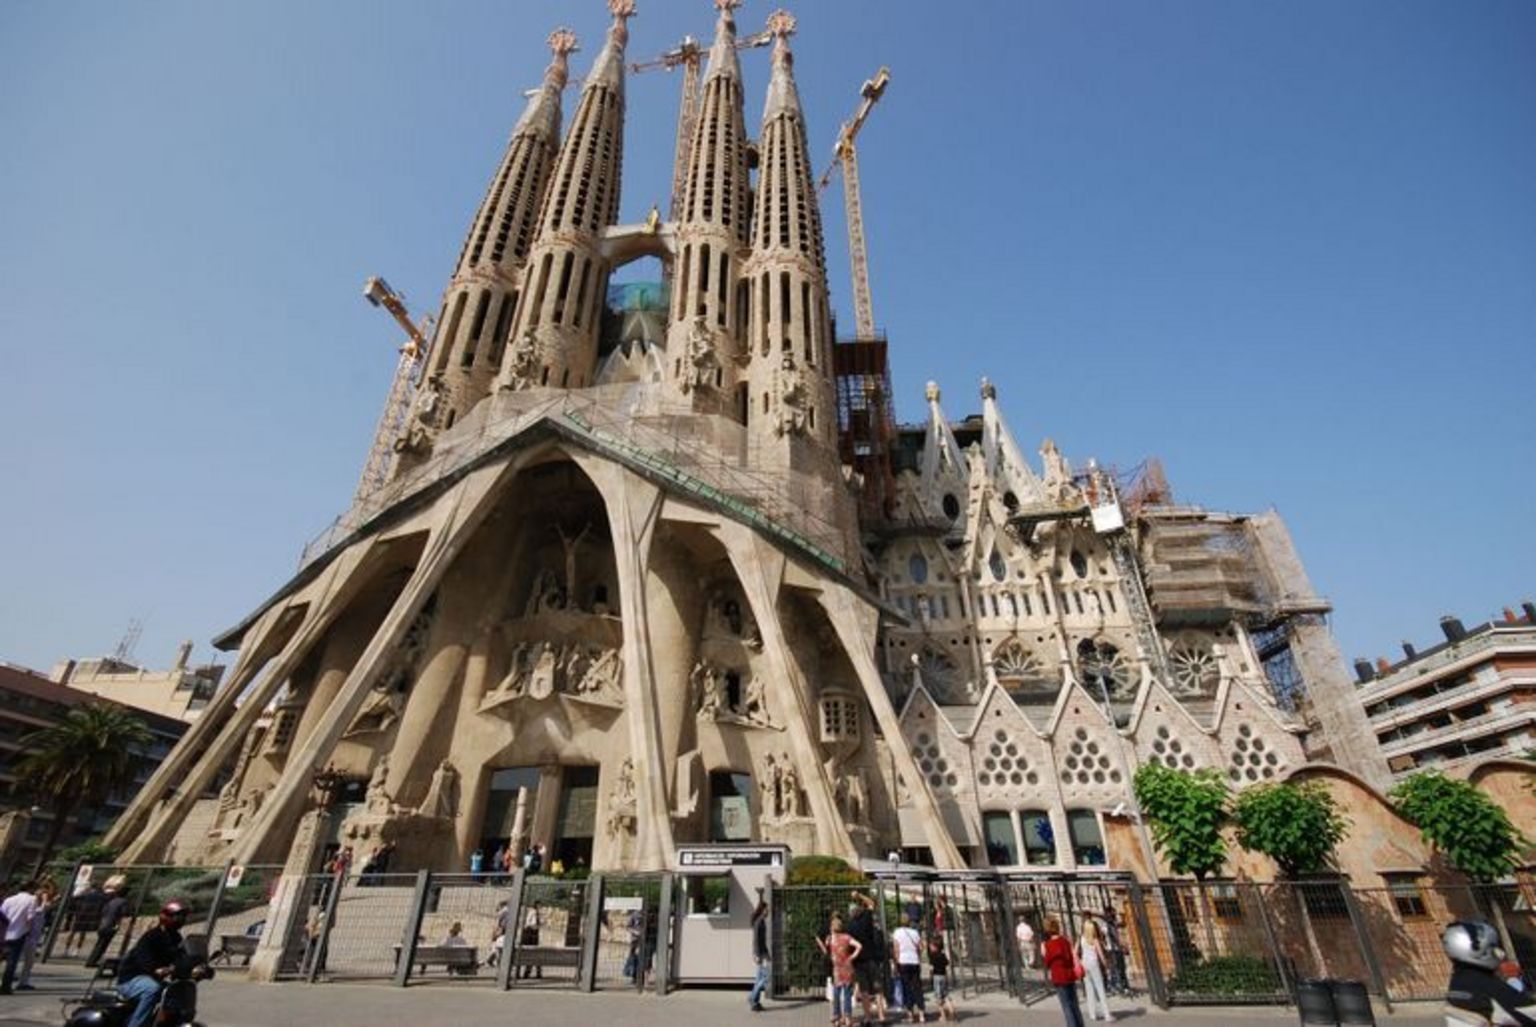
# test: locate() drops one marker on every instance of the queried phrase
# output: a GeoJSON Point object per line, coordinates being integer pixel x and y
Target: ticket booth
{"type": "Point", "coordinates": [717, 889]}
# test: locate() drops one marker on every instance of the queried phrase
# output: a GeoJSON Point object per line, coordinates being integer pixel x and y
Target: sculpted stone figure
{"type": "Point", "coordinates": [701, 363]}
{"type": "Point", "coordinates": [522, 363]}
{"type": "Point", "coordinates": [602, 675]}
{"type": "Point", "coordinates": [442, 793]}
{"type": "Point", "coordinates": [754, 706]}
{"type": "Point", "coordinates": [621, 801]}
{"type": "Point", "coordinates": [377, 799]}
{"type": "Point", "coordinates": [791, 418]}
{"type": "Point", "coordinates": [541, 679]}
{"type": "Point", "coordinates": [709, 687]}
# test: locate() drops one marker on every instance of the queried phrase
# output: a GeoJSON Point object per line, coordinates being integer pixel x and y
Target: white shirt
{"type": "Point", "coordinates": [908, 946]}
{"type": "Point", "coordinates": [19, 910]}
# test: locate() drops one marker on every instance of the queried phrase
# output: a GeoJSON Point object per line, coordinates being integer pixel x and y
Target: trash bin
{"type": "Point", "coordinates": [1352, 1003]}
{"type": "Point", "coordinates": [1314, 1001]}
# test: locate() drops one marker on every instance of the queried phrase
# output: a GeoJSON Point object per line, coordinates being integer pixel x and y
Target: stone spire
{"type": "Point", "coordinates": [553, 341]}
{"type": "Point", "coordinates": [481, 298]}
{"type": "Point", "coordinates": [1013, 480]}
{"type": "Point", "coordinates": [790, 336]}
{"type": "Point", "coordinates": [709, 298]}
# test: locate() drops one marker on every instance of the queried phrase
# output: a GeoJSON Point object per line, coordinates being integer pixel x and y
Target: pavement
{"type": "Point", "coordinates": [231, 1001]}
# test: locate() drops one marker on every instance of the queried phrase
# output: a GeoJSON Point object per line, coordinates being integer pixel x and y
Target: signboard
{"type": "Point", "coordinates": [731, 856]}
{"type": "Point", "coordinates": [235, 876]}
{"type": "Point", "coordinates": [83, 876]}
{"type": "Point", "coordinates": [732, 816]}
{"type": "Point", "coordinates": [622, 903]}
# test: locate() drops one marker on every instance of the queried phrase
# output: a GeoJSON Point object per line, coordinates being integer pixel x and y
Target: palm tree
{"type": "Point", "coordinates": [80, 762]}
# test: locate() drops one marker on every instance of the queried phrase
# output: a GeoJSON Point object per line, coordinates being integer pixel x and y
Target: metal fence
{"type": "Point", "coordinates": [1180, 943]}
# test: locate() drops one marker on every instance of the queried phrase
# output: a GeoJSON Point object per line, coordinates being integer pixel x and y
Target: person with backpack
{"type": "Point", "coordinates": [907, 945]}
{"type": "Point", "coordinates": [1064, 970]}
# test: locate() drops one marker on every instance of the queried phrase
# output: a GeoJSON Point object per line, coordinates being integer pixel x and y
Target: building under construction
{"type": "Point", "coordinates": [654, 566]}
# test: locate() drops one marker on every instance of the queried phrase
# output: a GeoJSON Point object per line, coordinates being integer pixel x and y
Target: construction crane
{"type": "Point", "coordinates": [397, 408]}
{"type": "Point", "coordinates": [689, 55]}
{"type": "Point", "coordinates": [845, 156]}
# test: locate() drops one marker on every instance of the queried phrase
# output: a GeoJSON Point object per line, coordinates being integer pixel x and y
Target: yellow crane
{"type": "Point", "coordinates": [689, 55]}
{"type": "Point", "coordinates": [845, 157]}
{"type": "Point", "coordinates": [397, 408]}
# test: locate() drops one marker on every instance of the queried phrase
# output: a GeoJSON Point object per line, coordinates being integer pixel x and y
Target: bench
{"type": "Point", "coordinates": [459, 959]}
{"type": "Point", "coordinates": [243, 945]}
{"type": "Point", "coordinates": [542, 956]}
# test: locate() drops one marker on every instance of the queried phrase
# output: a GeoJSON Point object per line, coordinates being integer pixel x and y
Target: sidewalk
{"type": "Point", "coordinates": [230, 1001]}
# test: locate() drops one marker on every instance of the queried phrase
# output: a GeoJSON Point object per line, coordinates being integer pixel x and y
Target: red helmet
{"type": "Point", "coordinates": [174, 909]}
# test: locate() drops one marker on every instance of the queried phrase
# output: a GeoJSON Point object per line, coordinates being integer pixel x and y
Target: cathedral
{"type": "Point", "coordinates": [652, 568]}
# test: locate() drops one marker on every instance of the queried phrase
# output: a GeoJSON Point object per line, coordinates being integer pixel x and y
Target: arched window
{"type": "Point", "coordinates": [917, 568]}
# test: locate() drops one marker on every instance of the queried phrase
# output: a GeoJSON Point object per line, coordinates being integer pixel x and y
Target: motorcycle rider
{"type": "Point", "coordinates": [1476, 994]}
{"type": "Point", "coordinates": [152, 961]}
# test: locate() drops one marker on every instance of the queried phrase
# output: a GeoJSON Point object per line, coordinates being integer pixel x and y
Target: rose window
{"type": "Point", "coordinates": [1104, 669]}
{"type": "Point", "coordinates": [1195, 671]}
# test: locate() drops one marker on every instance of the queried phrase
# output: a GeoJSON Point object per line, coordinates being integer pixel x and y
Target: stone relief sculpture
{"type": "Point", "coordinates": [701, 364]}
{"type": "Point", "coordinates": [712, 688]}
{"type": "Point", "coordinates": [377, 799]}
{"type": "Point", "coordinates": [782, 797]}
{"type": "Point", "coordinates": [442, 799]}
{"type": "Point", "coordinates": [386, 700]}
{"type": "Point", "coordinates": [577, 670]}
{"type": "Point", "coordinates": [792, 400]}
{"type": "Point", "coordinates": [851, 794]}
{"type": "Point", "coordinates": [622, 801]}
{"type": "Point", "coordinates": [522, 363]}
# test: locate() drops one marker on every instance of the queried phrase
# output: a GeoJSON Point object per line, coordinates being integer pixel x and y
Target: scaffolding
{"type": "Point", "coordinates": [866, 424]}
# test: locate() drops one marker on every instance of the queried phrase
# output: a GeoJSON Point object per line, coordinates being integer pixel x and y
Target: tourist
{"type": "Point", "coordinates": [529, 938]}
{"type": "Point", "coordinates": [938, 961]}
{"type": "Point", "coordinates": [47, 909]}
{"type": "Point", "coordinates": [455, 940]}
{"type": "Point", "coordinates": [844, 950]}
{"type": "Point", "coordinates": [907, 946]}
{"type": "Point", "coordinates": [869, 962]}
{"type": "Point", "coordinates": [1025, 936]}
{"type": "Point", "coordinates": [18, 911]}
{"type": "Point", "coordinates": [1063, 969]}
{"type": "Point", "coordinates": [1509, 970]}
{"type": "Point", "coordinates": [112, 911]}
{"type": "Point", "coordinates": [499, 934]}
{"type": "Point", "coordinates": [476, 863]}
{"type": "Point", "coordinates": [1090, 950]}
{"type": "Point", "coordinates": [1114, 948]}
{"type": "Point", "coordinates": [84, 916]}
{"type": "Point", "coordinates": [760, 953]}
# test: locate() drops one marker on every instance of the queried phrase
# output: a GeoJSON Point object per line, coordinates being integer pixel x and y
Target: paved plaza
{"type": "Point", "coordinates": [231, 1001]}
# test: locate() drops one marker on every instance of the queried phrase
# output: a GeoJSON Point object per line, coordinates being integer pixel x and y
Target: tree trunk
{"type": "Point", "coordinates": [61, 815]}
{"type": "Point", "coordinates": [1207, 918]}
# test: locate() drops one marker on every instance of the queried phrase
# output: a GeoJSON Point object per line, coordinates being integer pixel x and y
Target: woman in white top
{"type": "Point", "coordinates": [1090, 949]}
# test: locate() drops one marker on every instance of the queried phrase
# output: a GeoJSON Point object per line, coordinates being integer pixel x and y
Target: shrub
{"type": "Point", "coordinates": [1226, 975]}
{"type": "Point", "coordinates": [821, 871]}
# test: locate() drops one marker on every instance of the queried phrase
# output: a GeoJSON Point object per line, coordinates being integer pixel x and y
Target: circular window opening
{"type": "Point", "coordinates": [951, 506]}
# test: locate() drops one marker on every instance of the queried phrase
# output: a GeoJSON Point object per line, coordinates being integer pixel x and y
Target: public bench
{"type": "Point", "coordinates": [458, 959]}
{"type": "Point", "coordinates": [541, 956]}
{"type": "Point", "coordinates": [231, 945]}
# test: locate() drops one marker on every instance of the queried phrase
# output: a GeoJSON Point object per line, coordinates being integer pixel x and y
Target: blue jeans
{"type": "Point", "coordinates": [842, 1000]}
{"type": "Point", "coordinates": [1066, 993]}
{"type": "Point", "coordinates": [760, 985]}
{"type": "Point", "coordinates": [145, 991]}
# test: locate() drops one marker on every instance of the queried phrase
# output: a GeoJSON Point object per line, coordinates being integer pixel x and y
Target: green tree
{"type": "Point", "coordinates": [1296, 825]}
{"type": "Point", "coordinates": [1186, 813]}
{"type": "Point", "coordinates": [79, 763]}
{"type": "Point", "coordinates": [1455, 817]}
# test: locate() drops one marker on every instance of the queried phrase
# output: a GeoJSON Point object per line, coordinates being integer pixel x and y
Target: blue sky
{"type": "Point", "coordinates": [1290, 248]}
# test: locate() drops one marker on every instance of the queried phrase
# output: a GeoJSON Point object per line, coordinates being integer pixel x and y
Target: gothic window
{"type": "Point", "coordinates": [1195, 671]}
{"type": "Point", "coordinates": [1252, 758]}
{"type": "Point", "coordinates": [1103, 669]}
{"type": "Point", "coordinates": [1170, 752]}
{"type": "Point", "coordinates": [1004, 765]}
{"type": "Point", "coordinates": [1087, 763]}
{"type": "Point", "coordinates": [997, 565]}
{"type": "Point", "coordinates": [937, 669]}
{"type": "Point", "coordinates": [917, 568]}
{"type": "Point", "coordinates": [1017, 669]}
{"type": "Point", "coordinates": [1079, 564]}
{"type": "Point", "coordinates": [283, 727]}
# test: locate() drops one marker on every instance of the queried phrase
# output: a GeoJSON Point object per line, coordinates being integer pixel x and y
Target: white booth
{"type": "Point", "coordinates": [717, 889]}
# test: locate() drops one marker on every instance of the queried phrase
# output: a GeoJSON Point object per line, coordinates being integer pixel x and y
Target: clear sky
{"type": "Point", "coordinates": [1288, 247]}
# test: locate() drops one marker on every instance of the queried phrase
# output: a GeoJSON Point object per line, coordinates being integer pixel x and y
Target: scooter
{"type": "Point", "coordinates": [106, 1007]}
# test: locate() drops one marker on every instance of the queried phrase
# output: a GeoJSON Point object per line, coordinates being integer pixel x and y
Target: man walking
{"type": "Point", "coordinates": [18, 912]}
{"type": "Point", "coordinates": [111, 915]}
{"type": "Point", "coordinates": [759, 953]}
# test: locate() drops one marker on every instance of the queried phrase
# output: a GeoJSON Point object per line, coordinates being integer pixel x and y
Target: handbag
{"type": "Point", "coordinates": [1077, 965]}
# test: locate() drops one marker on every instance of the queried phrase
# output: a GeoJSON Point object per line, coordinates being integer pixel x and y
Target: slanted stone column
{"type": "Point", "coordinates": [461, 512]}
{"type": "Point", "coordinates": [325, 598]}
{"type": "Point", "coordinates": [855, 623]}
{"type": "Point", "coordinates": [634, 507]}
{"type": "Point", "coordinates": [285, 912]}
{"type": "Point", "coordinates": [760, 569]}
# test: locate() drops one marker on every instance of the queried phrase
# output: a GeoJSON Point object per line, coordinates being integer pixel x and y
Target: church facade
{"type": "Point", "coordinates": [624, 592]}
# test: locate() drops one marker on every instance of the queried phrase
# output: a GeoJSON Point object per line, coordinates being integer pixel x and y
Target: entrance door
{"type": "Point", "coordinates": [509, 810]}
{"type": "Point", "coordinates": [576, 824]}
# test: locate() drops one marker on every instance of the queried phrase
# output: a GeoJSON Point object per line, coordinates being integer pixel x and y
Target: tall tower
{"type": "Point", "coordinates": [482, 296]}
{"type": "Point", "coordinates": [789, 374]}
{"type": "Point", "coordinates": [554, 338]}
{"type": "Point", "coordinates": [709, 296]}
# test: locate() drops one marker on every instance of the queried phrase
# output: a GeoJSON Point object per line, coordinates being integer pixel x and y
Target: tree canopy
{"type": "Point", "coordinates": [1472, 830]}
{"type": "Point", "coordinates": [1298, 825]}
{"type": "Point", "coordinates": [1186, 813]}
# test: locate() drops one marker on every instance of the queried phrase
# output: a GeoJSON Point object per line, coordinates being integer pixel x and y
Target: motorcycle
{"type": "Point", "coordinates": [106, 1007]}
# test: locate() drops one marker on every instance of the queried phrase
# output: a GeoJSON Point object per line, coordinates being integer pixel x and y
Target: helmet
{"type": "Point", "coordinates": [174, 909]}
{"type": "Point", "coordinates": [1473, 943]}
